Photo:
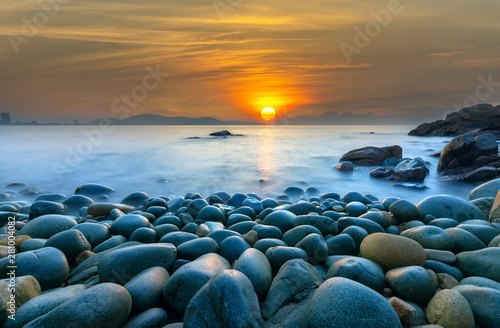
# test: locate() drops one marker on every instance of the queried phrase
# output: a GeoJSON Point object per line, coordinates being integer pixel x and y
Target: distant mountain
{"type": "Point", "coordinates": [151, 119]}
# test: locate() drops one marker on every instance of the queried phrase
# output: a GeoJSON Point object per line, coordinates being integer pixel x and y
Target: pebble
{"type": "Point", "coordinates": [484, 263]}
{"type": "Point", "coordinates": [71, 242]}
{"type": "Point", "coordinates": [361, 270]}
{"type": "Point", "coordinates": [430, 237]}
{"type": "Point", "coordinates": [47, 225]}
{"type": "Point", "coordinates": [146, 288]}
{"type": "Point", "coordinates": [448, 206]}
{"type": "Point", "coordinates": [279, 255]}
{"type": "Point", "coordinates": [484, 303]}
{"type": "Point", "coordinates": [193, 249]}
{"type": "Point", "coordinates": [255, 265]}
{"type": "Point", "coordinates": [126, 224]}
{"type": "Point", "coordinates": [152, 318]}
{"type": "Point", "coordinates": [413, 283]}
{"type": "Point", "coordinates": [450, 309]}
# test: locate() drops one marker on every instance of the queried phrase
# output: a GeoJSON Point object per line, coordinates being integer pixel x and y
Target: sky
{"type": "Point", "coordinates": [407, 61]}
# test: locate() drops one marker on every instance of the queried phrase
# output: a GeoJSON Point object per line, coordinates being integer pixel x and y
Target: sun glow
{"type": "Point", "coordinates": [268, 113]}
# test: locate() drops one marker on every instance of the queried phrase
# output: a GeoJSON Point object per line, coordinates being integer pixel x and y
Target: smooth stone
{"type": "Point", "coordinates": [156, 211]}
{"type": "Point", "coordinates": [95, 233]}
{"type": "Point", "coordinates": [393, 230]}
{"type": "Point", "coordinates": [16, 291]}
{"type": "Point", "coordinates": [232, 247]}
{"type": "Point", "coordinates": [51, 197]}
{"type": "Point", "coordinates": [187, 280]}
{"type": "Point", "coordinates": [342, 244]}
{"type": "Point", "coordinates": [448, 206]}
{"type": "Point", "coordinates": [146, 288]}
{"type": "Point", "coordinates": [121, 265]}
{"type": "Point", "coordinates": [93, 189]}
{"type": "Point", "coordinates": [294, 235]}
{"type": "Point", "coordinates": [449, 308]}
{"type": "Point", "coordinates": [406, 312]}
{"type": "Point", "coordinates": [344, 303]}
{"type": "Point", "coordinates": [440, 267]}
{"type": "Point", "coordinates": [282, 219]}
{"type": "Point", "coordinates": [357, 234]}
{"type": "Point", "coordinates": [44, 207]}
{"type": "Point", "coordinates": [211, 213]}
{"type": "Point", "coordinates": [279, 255]}
{"type": "Point", "coordinates": [110, 243]}
{"type": "Point", "coordinates": [294, 281]}
{"type": "Point", "coordinates": [75, 202]}
{"type": "Point", "coordinates": [413, 283]}
{"type": "Point", "coordinates": [413, 224]}
{"type": "Point", "coordinates": [464, 240]}
{"type": "Point", "coordinates": [18, 241]}
{"type": "Point", "coordinates": [353, 196]}
{"type": "Point", "coordinates": [42, 304]}
{"type": "Point", "coordinates": [484, 303]}
{"type": "Point", "coordinates": [268, 231]}
{"type": "Point", "coordinates": [392, 251]}
{"type": "Point", "coordinates": [376, 217]}
{"type": "Point", "coordinates": [103, 209]}
{"type": "Point", "coordinates": [71, 242]}
{"type": "Point", "coordinates": [255, 265]}
{"type": "Point", "coordinates": [190, 228]}
{"type": "Point", "coordinates": [126, 224]}
{"type": "Point", "coordinates": [195, 206]}
{"type": "Point", "coordinates": [484, 233]}
{"type": "Point", "coordinates": [193, 249]}
{"type": "Point", "coordinates": [269, 203]}
{"type": "Point", "coordinates": [143, 235]}
{"type": "Point", "coordinates": [135, 199]}
{"type": "Point", "coordinates": [495, 242]}
{"type": "Point", "coordinates": [430, 237]}
{"type": "Point", "coordinates": [242, 227]}
{"type": "Point", "coordinates": [405, 211]}
{"type": "Point", "coordinates": [315, 247]}
{"type": "Point", "coordinates": [32, 244]}
{"type": "Point", "coordinates": [237, 218]}
{"type": "Point", "coordinates": [80, 258]}
{"type": "Point", "coordinates": [220, 235]}
{"type": "Point", "coordinates": [152, 318]}
{"type": "Point", "coordinates": [104, 304]}
{"type": "Point", "coordinates": [156, 201]}
{"type": "Point", "coordinates": [264, 244]}
{"type": "Point", "coordinates": [245, 210]}
{"type": "Point", "coordinates": [208, 307]}
{"type": "Point", "coordinates": [444, 223]}
{"type": "Point", "coordinates": [48, 265]}
{"type": "Point", "coordinates": [488, 189]}
{"type": "Point", "coordinates": [484, 263]}
{"type": "Point", "coordinates": [168, 219]}
{"type": "Point", "coordinates": [237, 200]}
{"type": "Point", "coordinates": [254, 204]}
{"type": "Point", "coordinates": [361, 270]}
{"type": "Point", "coordinates": [356, 208]}
{"type": "Point", "coordinates": [47, 225]}
{"type": "Point", "coordinates": [441, 256]}
{"type": "Point", "coordinates": [369, 225]}
{"type": "Point", "coordinates": [481, 282]}
{"type": "Point", "coordinates": [326, 225]}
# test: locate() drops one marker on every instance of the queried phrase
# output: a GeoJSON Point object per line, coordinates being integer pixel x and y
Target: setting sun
{"type": "Point", "coordinates": [268, 113]}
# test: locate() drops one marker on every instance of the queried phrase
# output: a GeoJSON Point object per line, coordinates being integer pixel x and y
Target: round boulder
{"type": "Point", "coordinates": [450, 309]}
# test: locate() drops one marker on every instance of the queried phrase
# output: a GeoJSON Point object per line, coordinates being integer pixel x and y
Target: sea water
{"type": "Point", "coordinates": [167, 160]}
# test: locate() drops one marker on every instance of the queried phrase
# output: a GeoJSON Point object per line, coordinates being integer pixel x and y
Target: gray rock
{"type": "Point", "coordinates": [481, 282]}
{"type": "Point", "coordinates": [342, 244]}
{"type": "Point", "coordinates": [126, 224]}
{"type": "Point", "coordinates": [143, 235]}
{"type": "Point", "coordinates": [254, 204]}
{"type": "Point", "coordinates": [75, 202]}
{"type": "Point", "coordinates": [255, 265]}
{"type": "Point", "coordinates": [135, 199]}
{"type": "Point", "coordinates": [346, 166]}
{"type": "Point", "coordinates": [441, 256]}
{"type": "Point", "coordinates": [464, 240]}
{"type": "Point", "coordinates": [483, 263]}
{"type": "Point", "coordinates": [264, 244]}
{"type": "Point", "coordinates": [282, 219]}
{"type": "Point", "coordinates": [488, 189]}
{"type": "Point", "coordinates": [303, 208]}
{"type": "Point", "coordinates": [32, 244]}
{"type": "Point", "coordinates": [47, 225]}
{"type": "Point", "coordinates": [443, 223]}
{"type": "Point", "coordinates": [343, 303]}
{"type": "Point", "coordinates": [315, 247]}
{"type": "Point", "coordinates": [430, 237]}
{"type": "Point", "coordinates": [151, 318]}
{"type": "Point", "coordinates": [190, 278]}
{"type": "Point", "coordinates": [440, 267]}
{"type": "Point", "coordinates": [484, 303]}
{"type": "Point", "coordinates": [448, 206]}
{"type": "Point", "coordinates": [70, 242]}
{"type": "Point", "coordinates": [268, 231]}
{"type": "Point", "coordinates": [361, 270]}
{"type": "Point", "coordinates": [48, 265]}
{"type": "Point", "coordinates": [211, 213]}
{"type": "Point", "coordinates": [372, 155]}
{"type": "Point", "coordinates": [369, 225]}
{"type": "Point", "coordinates": [93, 189]}
{"type": "Point", "coordinates": [95, 233]}
{"type": "Point", "coordinates": [146, 288]}
{"type": "Point", "coordinates": [44, 207]}
{"type": "Point", "coordinates": [449, 308]}
{"type": "Point", "coordinates": [405, 211]}
{"type": "Point", "coordinates": [279, 255]}
{"type": "Point", "coordinates": [195, 206]}
{"type": "Point", "coordinates": [104, 305]}
{"type": "Point", "coordinates": [110, 243]}
{"type": "Point", "coordinates": [121, 265]}
{"type": "Point", "coordinates": [208, 308]}
{"type": "Point", "coordinates": [357, 234]}
{"type": "Point", "coordinates": [413, 283]}
{"type": "Point", "coordinates": [193, 249]}
{"type": "Point", "coordinates": [220, 235]}
{"type": "Point", "coordinates": [232, 247]}
{"type": "Point", "coordinates": [326, 225]}
{"type": "Point", "coordinates": [294, 282]}
{"type": "Point", "coordinates": [242, 227]}
{"type": "Point", "coordinates": [356, 209]}
{"type": "Point", "coordinates": [293, 236]}
{"type": "Point", "coordinates": [178, 237]}
{"type": "Point", "coordinates": [483, 232]}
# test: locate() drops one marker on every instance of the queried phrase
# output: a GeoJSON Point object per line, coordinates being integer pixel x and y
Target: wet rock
{"type": "Point", "coordinates": [146, 288]}
{"type": "Point", "coordinates": [372, 155]}
{"type": "Point", "coordinates": [413, 283]}
{"type": "Point", "coordinates": [126, 224]}
{"type": "Point", "coordinates": [193, 249]}
{"type": "Point", "coordinates": [71, 242]}
{"type": "Point", "coordinates": [279, 255]}
{"type": "Point", "coordinates": [152, 318]}
{"type": "Point", "coordinates": [448, 206]}
{"type": "Point", "coordinates": [449, 308]}
{"type": "Point", "coordinates": [430, 237]}
{"type": "Point", "coordinates": [483, 263]}
{"type": "Point", "coordinates": [93, 190]}
{"type": "Point", "coordinates": [47, 225]}
{"type": "Point", "coordinates": [255, 265]}
{"type": "Point", "coordinates": [484, 303]}
{"type": "Point", "coordinates": [361, 270]}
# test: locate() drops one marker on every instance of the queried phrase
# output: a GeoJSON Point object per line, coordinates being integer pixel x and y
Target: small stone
{"type": "Point", "coordinates": [450, 309]}
{"type": "Point", "coordinates": [405, 311]}
{"type": "Point", "coordinates": [413, 283]}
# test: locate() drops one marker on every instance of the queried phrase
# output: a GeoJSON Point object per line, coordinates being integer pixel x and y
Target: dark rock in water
{"type": "Point", "coordinates": [190, 278]}
{"type": "Point", "coordinates": [135, 199]}
{"type": "Point", "coordinates": [146, 288]}
{"type": "Point", "coordinates": [346, 166]}
{"type": "Point", "coordinates": [417, 186]}
{"type": "Point", "coordinates": [193, 138]}
{"type": "Point", "coordinates": [93, 190]}
{"type": "Point", "coordinates": [76, 202]}
{"type": "Point", "coordinates": [344, 303]}
{"type": "Point", "coordinates": [294, 192]}
{"type": "Point", "coordinates": [104, 305]}
{"type": "Point", "coordinates": [51, 197]}
{"type": "Point", "coordinates": [413, 174]}
{"type": "Point", "coordinates": [482, 117]}
{"type": "Point", "coordinates": [152, 318]}
{"type": "Point", "coordinates": [209, 307]}
{"type": "Point", "coordinates": [408, 164]}
{"type": "Point", "coordinates": [368, 156]}
{"type": "Point", "coordinates": [255, 265]}
{"type": "Point", "coordinates": [121, 265]}
{"type": "Point", "coordinates": [294, 282]}
{"type": "Point", "coordinates": [104, 209]}
{"type": "Point", "coordinates": [47, 225]}
{"type": "Point", "coordinates": [223, 133]}
{"type": "Point", "coordinates": [71, 242]}
{"type": "Point", "coordinates": [48, 265]}
{"type": "Point", "coordinates": [44, 207]}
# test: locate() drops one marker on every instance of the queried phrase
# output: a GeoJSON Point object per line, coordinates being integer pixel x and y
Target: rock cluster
{"type": "Point", "coordinates": [242, 261]}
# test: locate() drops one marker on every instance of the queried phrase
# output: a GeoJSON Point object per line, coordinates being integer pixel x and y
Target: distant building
{"type": "Point", "coordinates": [5, 118]}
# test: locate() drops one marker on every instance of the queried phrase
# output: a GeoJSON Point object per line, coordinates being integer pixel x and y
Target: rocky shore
{"type": "Point", "coordinates": [303, 259]}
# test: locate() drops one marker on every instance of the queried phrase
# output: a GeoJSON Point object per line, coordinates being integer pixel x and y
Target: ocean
{"type": "Point", "coordinates": [165, 160]}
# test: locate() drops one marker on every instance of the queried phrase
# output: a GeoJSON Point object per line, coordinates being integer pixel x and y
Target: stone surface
{"type": "Point", "coordinates": [255, 265]}
{"type": "Point", "coordinates": [372, 155]}
{"type": "Point", "coordinates": [488, 189]}
{"type": "Point", "coordinates": [450, 309]}
{"type": "Point", "coordinates": [484, 303]}
{"type": "Point", "coordinates": [448, 206]}
{"type": "Point", "coordinates": [405, 311]}
{"type": "Point", "coordinates": [152, 318]}
{"type": "Point", "coordinates": [71, 242]}
{"type": "Point", "coordinates": [195, 248]}
{"type": "Point", "coordinates": [481, 282]}
{"type": "Point", "coordinates": [47, 225]}
{"type": "Point", "coordinates": [279, 255]}
{"type": "Point", "coordinates": [413, 283]}
{"type": "Point", "coordinates": [146, 288]}
{"type": "Point", "coordinates": [464, 240]}
{"type": "Point", "coordinates": [103, 209]}
{"type": "Point", "coordinates": [405, 211]}
{"type": "Point", "coordinates": [430, 237]}
{"type": "Point", "coordinates": [343, 303]}
{"type": "Point", "coordinates": [126, 224]}
{"type": "Point", "coordinates": [361, 270]}
{"type": "Point", "coordinates": [392, 251]}
{"type": "Point", "coordinates": [484, 263]}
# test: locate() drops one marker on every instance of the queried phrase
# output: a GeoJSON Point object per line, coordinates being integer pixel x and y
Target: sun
{"type": "Point", "coordinates": [268, 113]}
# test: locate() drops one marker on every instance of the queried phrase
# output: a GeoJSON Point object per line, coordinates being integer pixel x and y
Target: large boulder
{"type": "Point", "coordinates": [344, 303]}
{"type": "Point", "coordinates": [448, 206]}
{"type": "Point", "coordinates": [488, 189]}
{"type": "Point", "coordinates": [46, 226]}
{"type": "Point", "coordinates": [459, 152]}
{"type": "Point", "coordinates": [255, 265]}
{"type": "Point", "coordinates": [484, 263]}
{"type": "Point", "coordinates": [370, 155]}
{"type": "Point", "coordinates": [227, 300]}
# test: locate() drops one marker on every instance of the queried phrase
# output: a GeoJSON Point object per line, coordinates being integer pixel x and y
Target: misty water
{"type": "Point", "coordinates": [161, 160]}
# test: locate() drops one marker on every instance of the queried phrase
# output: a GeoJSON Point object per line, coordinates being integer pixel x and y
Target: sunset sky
{"type": "Point", "coordinates": [231, 59]}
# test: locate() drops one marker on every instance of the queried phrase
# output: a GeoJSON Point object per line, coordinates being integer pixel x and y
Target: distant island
{"type": "Point", "coordinates": [152, 119]}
